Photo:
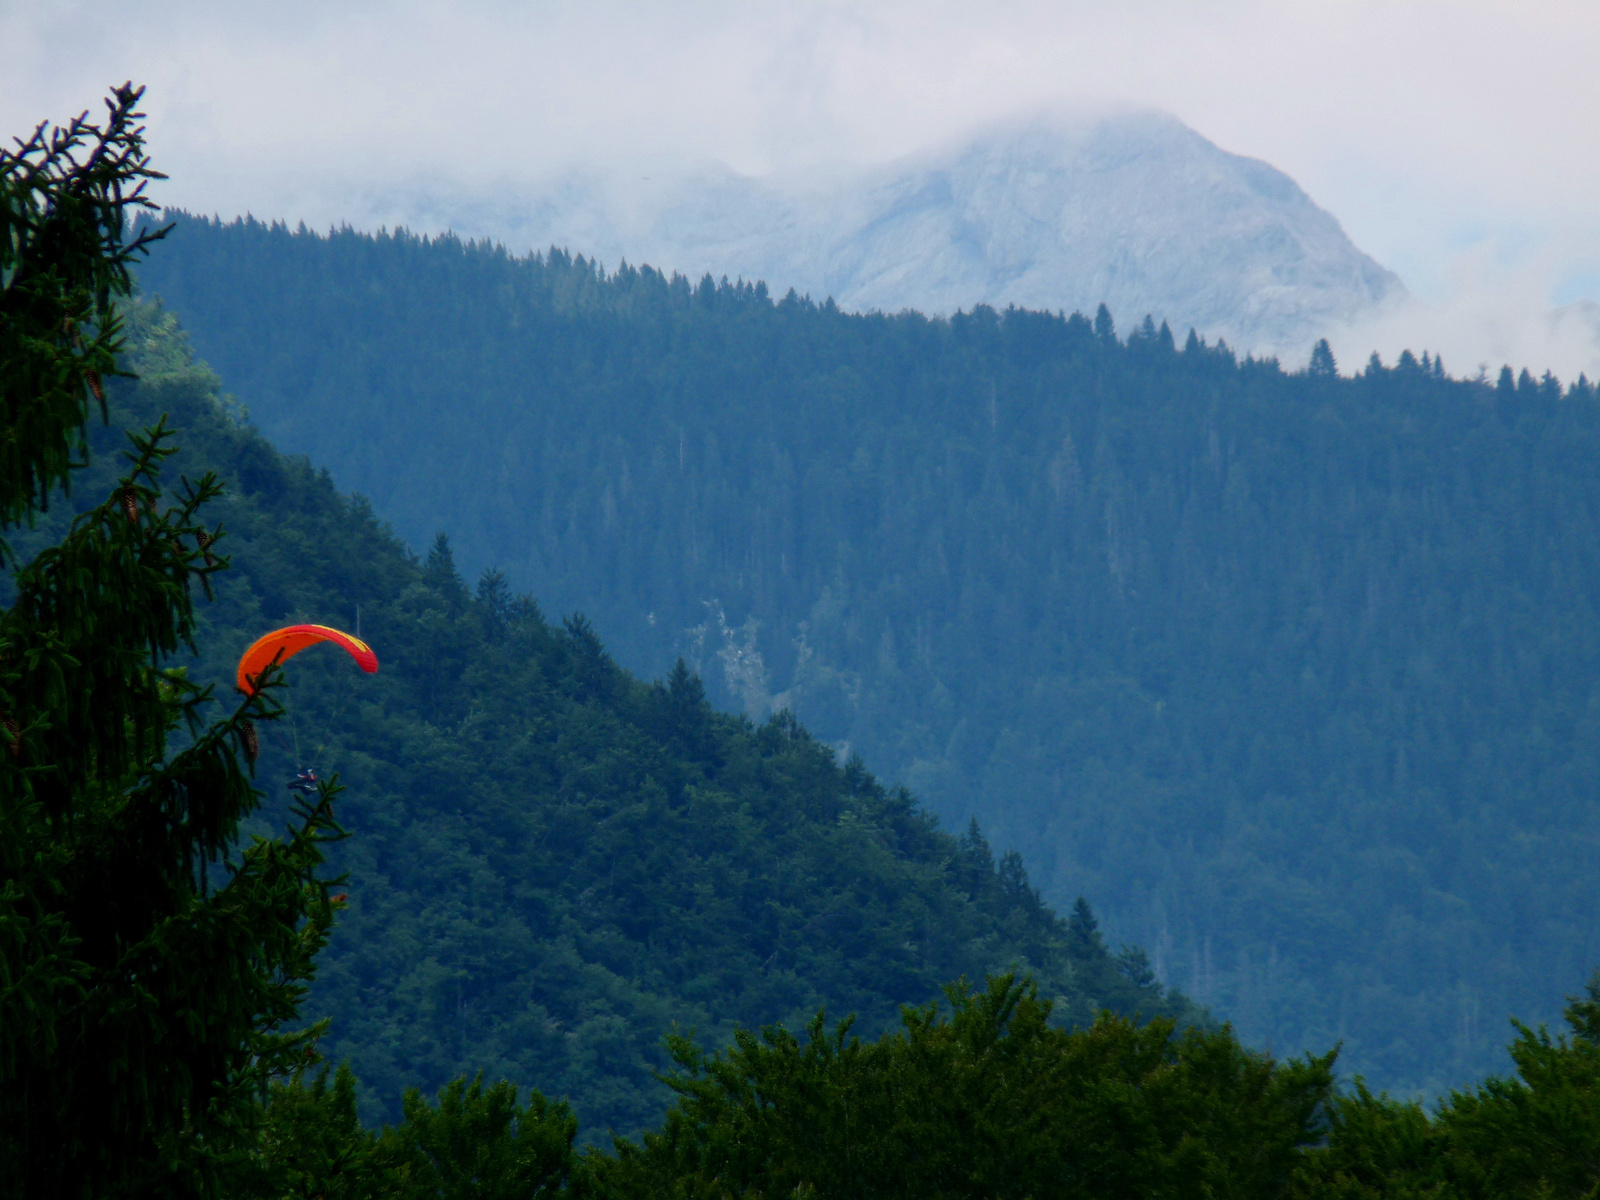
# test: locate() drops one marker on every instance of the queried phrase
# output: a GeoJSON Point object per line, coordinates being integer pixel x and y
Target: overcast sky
{"type": "Point", "coordinates": [1456, 141]}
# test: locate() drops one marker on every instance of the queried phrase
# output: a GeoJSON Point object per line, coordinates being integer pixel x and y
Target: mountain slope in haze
{"type": "Point", "coordinates": [1134, 210]}
{"type": "Point", "coordinates": [1295, 675]}
{"type": "Point", "coordinates": [552, 862]}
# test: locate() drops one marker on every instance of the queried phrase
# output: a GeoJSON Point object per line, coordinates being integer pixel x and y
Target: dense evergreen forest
{"type": "Point", "coordinates": [156, 952]}
{"type": "Point", "coordinates": [553, 864]}
{"type": "Point", "coordinates": [1294, 673]}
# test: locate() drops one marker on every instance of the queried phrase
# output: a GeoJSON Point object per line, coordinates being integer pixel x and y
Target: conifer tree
{"type": "Point", "coordinates": [147, 964]}
{"type": "Point", "coordinates": [1084, 927]}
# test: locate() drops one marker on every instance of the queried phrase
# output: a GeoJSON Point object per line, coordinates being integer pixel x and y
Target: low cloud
{"type": "Point", "coordinates": [1490, 314]}
{"type": "Point", "coordinates": [1416, 124]}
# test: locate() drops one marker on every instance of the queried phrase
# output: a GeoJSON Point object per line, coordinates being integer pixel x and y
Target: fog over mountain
{"type": "Point", "coordinates": [1053, 211]}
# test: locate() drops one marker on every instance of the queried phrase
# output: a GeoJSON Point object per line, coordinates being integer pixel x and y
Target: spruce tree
{"type": "Point", "coordinates": [148, 964]}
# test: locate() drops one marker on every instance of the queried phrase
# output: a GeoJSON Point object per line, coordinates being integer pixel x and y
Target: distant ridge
{"type": "Point", "coordinates": [1053, 211]}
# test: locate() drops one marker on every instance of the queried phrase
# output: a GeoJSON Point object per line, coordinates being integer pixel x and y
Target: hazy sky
{"type": "Point", "coordinates": [1456, 141]}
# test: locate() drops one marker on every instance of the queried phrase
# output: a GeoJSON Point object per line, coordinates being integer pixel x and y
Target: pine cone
{"type": "Point", "coordinates": [94, 386]}
{"type": "Point", "coordinates": [130, 505]}
{"type": "Point", "coordinates": [10, 725]}
{"type": "Point", "coordinates": [247, 736]}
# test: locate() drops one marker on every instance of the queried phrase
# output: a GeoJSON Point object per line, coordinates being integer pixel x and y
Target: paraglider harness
{"type": "Point", "coordinates": [305, 782]}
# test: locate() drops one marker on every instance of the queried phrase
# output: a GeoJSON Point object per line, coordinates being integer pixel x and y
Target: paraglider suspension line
{"type": "Point", "coordinates": [294, 728]}
{"type": "Point", "coordinates": [345, 693]}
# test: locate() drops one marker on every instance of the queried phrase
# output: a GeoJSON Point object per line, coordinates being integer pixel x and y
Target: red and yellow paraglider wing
{"type": "Point", "coordinates": [285, 643]}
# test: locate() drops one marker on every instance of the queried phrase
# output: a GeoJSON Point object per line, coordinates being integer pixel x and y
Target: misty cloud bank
{"type": "Point", "coordinates": [1058, 210]}
{"type": "Point", "coordinates": [1422, 132]}
{"type": "Point", "coordinates": [1492, 317]}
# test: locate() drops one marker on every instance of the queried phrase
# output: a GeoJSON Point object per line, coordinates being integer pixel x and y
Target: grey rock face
{"type": "Point", "coordinates": [1135, 210]}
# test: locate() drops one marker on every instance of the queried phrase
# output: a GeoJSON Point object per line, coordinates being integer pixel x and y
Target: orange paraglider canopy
{"type": "Point", "coordinates": [285, 643]}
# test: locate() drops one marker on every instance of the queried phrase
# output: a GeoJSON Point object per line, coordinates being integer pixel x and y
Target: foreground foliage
{"type": "Point", "coordinates": [473, 1141]}
{"type": "Point", "coordinates": [148, 962]}
{"type": "Point", "coordinates": [1534, 1135]}
{"type": "Point", "coordinates": [984, 1098]}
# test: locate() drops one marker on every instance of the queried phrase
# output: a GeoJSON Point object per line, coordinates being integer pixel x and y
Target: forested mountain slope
{"type": "Point", "coordinates": [1295, 675]}
{"type": "Point", "coordinates": [552, 862]}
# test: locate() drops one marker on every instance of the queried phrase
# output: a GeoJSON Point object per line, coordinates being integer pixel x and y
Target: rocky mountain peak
{"type": "Point", "coordinates": [1052, 211]}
